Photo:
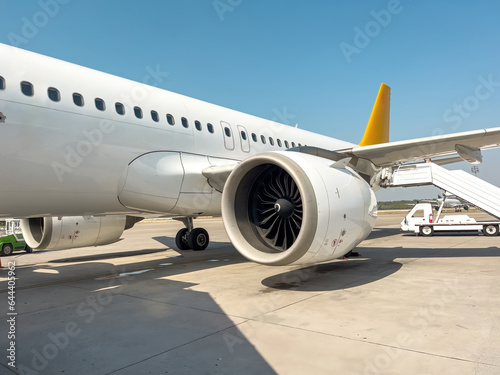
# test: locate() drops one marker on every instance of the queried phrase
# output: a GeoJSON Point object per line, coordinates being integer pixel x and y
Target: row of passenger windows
{"type": "Point", "coordinates": [54, 95]}
{"type": "Point", "coordinates": [271, 140]}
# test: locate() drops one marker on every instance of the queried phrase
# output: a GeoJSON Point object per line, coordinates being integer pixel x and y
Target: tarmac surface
{"type": "Point", "coordinates": [407, 305]}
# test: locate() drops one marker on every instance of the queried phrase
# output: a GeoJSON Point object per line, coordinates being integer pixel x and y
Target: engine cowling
{"type": "Point", "coordinates": [53, 233]}
{"type": "Point", "coordinates": [287, 207]}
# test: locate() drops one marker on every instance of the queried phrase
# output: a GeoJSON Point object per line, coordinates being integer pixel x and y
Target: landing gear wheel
{"type": "Point", "coordinates": [28, 249]}
{"type": "Point", "coordinates": [198, 239]}
{"type": "Point", "coordinates": [7, 250]}
{"type": "Point", "coordinates": [426, 231]}
{"type": "Point", "coordinates": [181, 240]}
{"type": "Point", "coordinates": [490, 230]}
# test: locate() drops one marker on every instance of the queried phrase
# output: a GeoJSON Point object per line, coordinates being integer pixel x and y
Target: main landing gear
{"type": "Point", "coordinates": [191, 238]}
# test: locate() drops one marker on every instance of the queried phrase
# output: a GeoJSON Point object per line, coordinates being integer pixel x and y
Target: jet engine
{"type": "Point", "coordinates": [288, 207]}
{"type": "Point", "coordinates": [53, 233]}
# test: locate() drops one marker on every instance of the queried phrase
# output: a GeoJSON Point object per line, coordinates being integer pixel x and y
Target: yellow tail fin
{"type": "Point", "coordinates": [377, 129]}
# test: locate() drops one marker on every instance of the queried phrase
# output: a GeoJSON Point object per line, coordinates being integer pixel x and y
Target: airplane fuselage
{"type": "Point", "coordinates": [80, 129]}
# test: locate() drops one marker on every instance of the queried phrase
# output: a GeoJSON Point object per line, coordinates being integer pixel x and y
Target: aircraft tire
{"type": "Point", "coordinates": [490, 230]}
{"type": "Point", "coordinates": [180, 240]}
{"type": "Point", "coordinates": [426, 231]}
{"type": "Point", "coordinates": [7, 250]}
{"type": "Point", "coordinates": [28, 249]}
{"type": "Point", "coordinates": [198, 239]}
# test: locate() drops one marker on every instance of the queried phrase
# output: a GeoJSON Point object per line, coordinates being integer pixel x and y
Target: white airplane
{"type": "Point", "coordinates": [85, 154]}
{"type": "Point", "coordinates": [450, 201]}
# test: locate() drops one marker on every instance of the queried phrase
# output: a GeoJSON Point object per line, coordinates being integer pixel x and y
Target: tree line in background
{"type": "Point", "coordinates": [398, 205]}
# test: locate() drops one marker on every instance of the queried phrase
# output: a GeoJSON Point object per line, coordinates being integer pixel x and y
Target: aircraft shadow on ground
{"type": "Point", "coordinates": [336, 275]}
{"type": "Point", "coordinates": [170, 242]}
{"type": "Point", "coordinates": [383, 232]}
{"type": "Point", "coordinates": [172, 263]}
{"type": "Point", "coordinates": [122, 254]}
{"type": "Point", "coordinates": [375, 264]}
{"type": "Point", "coordinates": [148, 322]}
{"type": "Point", "coordinates": [455, 252]}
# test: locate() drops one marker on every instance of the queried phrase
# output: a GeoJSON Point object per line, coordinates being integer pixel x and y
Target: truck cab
{"type": "Point", "coordinates": [419, 215]}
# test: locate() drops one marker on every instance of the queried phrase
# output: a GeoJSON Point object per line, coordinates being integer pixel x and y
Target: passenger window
{"type": "Point", "coordinates": [170, 119]}
{"type": "Point", "coordinates": [293, 144]}
{"type": "Point", "coordinates": [54, 94]}
{"type": "Point", "coordinates": [27, 88]}
{"type": "Point", "coordinates": [2, 83]}
{"type": "Point", "coordinates": [197, 125]}
{"type": "Point", "coordinates": [154, 116]}
{"type": "Point", "coordinates": [185, 122]}
{"type": "Point", "coordinates": [210, 128]}
{"type": "Point", "coordinates": [243, 135]}
{"type": "Point", "coordinates": [99, 104]}
{"type": "Point", "coordinates": [138, 112]}
{"type": "Point", "coordinates": [254, 137]}
{"type": "Point", "coordinates": [287, 145]}
{"type": "Point", "coordinates": [120, 109]}
{"type": "Point", "coordinates": [279, 142]}
{"type": "Point", "coordinates": [300, 145]}
{"type": "Point", "coordinates": [227, 131]}
{"type": "Point", "coordinates": [263, 139]}
{"type": "Point", "coordinates": [271, 141]}
{"type": "Point", "coordinates": [78, 99]}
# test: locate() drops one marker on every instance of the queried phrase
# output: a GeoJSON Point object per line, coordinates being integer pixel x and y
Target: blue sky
{"type": "Point", "coordinates": [319, 62]}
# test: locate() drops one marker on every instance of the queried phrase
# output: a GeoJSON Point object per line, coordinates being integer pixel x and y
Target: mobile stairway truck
{"type": "Point", "coordinates": [421, 220]}
{"type": "Point", "coordinates": [471, 189]}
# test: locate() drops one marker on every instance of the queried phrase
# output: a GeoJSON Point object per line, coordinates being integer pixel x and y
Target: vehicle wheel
{"type": "Point", "coordinates": [28, 249]}
{"type": "Point", "coordinates": [426, 231]}
{"type": "Point", "coordinates": [198, 239]}
{"type": "Point", "coordinates": [7, 249]}
{"type": "Point", "coordinates": [490, 230]}
{"type": "Point", "coordinates": [180, 239]}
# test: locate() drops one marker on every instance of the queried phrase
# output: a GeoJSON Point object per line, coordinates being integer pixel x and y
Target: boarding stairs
{"type": "Point", "coordinates": [459, 183]}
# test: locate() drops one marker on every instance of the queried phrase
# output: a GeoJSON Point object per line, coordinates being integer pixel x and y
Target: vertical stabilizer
{"type": "Point", "coordinates": [377, 129]}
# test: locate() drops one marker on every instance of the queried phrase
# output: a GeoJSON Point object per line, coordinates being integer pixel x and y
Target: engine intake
{"type": "Point", "coordinates": [284, 207]}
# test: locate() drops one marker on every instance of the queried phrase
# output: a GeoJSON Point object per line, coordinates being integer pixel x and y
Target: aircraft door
{"type": "Point", "coordinates": [227, 133]}
{"type": "Point", "coordinates": [245, 142]}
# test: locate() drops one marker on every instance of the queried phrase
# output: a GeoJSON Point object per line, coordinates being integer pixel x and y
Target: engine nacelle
{"type": "Point", "coordinates": [288, 207]}
{"type": "Point", "coordinates": [52, 233]}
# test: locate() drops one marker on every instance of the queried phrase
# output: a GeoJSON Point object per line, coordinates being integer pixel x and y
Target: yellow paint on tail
{"type": "Point", "coordinates": [377, 129]}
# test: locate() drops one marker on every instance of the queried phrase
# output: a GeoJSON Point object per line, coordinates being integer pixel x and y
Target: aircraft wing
{"type": "Point", "coordinates": [467, 145]}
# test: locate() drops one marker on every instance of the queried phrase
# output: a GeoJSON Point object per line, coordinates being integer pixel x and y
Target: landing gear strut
{"type": "Point", "coordinates": [191, 238]}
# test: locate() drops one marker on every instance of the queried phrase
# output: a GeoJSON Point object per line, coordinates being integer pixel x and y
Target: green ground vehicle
{"type": "Point", "coordinates": [11, 238]}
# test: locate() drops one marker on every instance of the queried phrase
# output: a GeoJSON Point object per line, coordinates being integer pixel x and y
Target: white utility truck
{"type": "Point", "coordinates": [421, 220]}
